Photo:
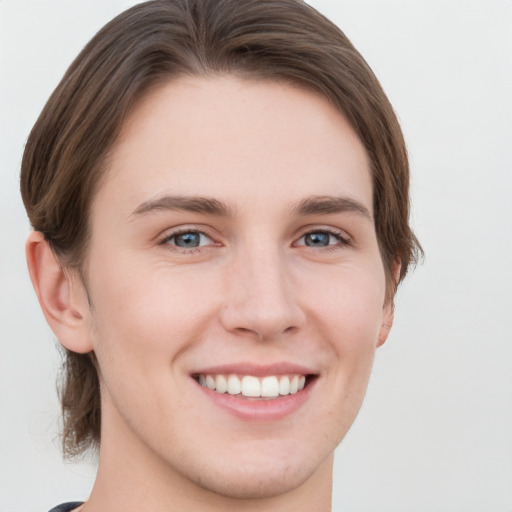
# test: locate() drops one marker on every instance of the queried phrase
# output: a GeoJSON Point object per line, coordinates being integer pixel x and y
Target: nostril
{"type": "Point", "coordinates": [265, 334]}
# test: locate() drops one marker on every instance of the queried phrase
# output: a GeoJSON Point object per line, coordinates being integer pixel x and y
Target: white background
{"type": "Point", "coordinates": [435, 431]}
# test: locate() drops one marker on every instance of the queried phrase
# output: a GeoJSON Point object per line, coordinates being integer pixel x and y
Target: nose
{"type": "Point", "coordinates": [261, 299]}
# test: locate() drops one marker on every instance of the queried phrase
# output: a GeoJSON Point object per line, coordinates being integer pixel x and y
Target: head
{"type": "Point", "coordinates": [160, 56]}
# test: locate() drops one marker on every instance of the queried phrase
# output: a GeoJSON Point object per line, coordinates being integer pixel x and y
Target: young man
{"type": "Point", "coordinates": [219, 196]}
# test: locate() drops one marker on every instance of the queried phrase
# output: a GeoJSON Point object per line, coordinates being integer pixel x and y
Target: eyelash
{"type": "Point", "coordinates": [165, 241]}
{"type": "Point", "coordinates": [342, 241]}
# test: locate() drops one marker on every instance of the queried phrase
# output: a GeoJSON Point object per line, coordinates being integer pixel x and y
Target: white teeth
{"type": "Point", "coordinates": [294, 385]}
{"type": "Point", "coordinates": [284, 385]}
{"type": "Point", "coordinates": [221, 384]}
{"type": "Point", "coordinates": [210, 382]}
{"type": "Point", "coordinates": [234, 385]}
{"type": "Point", "coordinates": [254, 387]}
{"type": "Point", "coordinates": [251, 386]}
{"type": "Point", "coordinates": [270, 387]}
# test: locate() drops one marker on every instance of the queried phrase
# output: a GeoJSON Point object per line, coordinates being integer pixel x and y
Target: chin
{"type": "Point", "coordinates": [258, 474]}
{"type": "Point", "coordinates": [254, 482]}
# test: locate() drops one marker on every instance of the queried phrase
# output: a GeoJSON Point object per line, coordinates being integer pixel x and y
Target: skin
{"type": "Point", "coordinates": [254, 291]}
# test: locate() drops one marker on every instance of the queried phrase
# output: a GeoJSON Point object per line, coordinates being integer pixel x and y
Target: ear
{"type": "Point", "coordinates": [61, 295]}
{"type": "Point", "coordinates": [389, 310]}
{"type": "Point", "coordinates": [387, 323]}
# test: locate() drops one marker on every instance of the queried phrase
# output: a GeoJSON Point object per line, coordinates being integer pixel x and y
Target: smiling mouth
{"type": "Point", "coordinates": [251, 387]}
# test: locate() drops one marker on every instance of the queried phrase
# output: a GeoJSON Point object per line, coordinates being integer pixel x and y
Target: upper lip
{"type": "Point", "coordinates": [257, 370]}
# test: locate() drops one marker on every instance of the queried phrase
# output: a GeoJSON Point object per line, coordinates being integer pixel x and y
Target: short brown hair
{"type": "Point", "coordinates": [152, 43]}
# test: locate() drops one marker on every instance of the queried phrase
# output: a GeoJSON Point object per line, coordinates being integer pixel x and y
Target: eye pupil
{"type": "Point", "coordinates": [317, 239]}
{"type": "Point", "coordinates": [188, 240]}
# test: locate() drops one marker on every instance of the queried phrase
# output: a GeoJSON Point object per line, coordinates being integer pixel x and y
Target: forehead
{"type": "Point", "coordinates": [230, 138]}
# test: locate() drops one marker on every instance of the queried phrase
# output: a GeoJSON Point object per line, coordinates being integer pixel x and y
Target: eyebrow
{"type": "Point", "coordinates": [321, 205]}
{"type": "Point", "coordinates": [314, 205]}
{"type": "Point", "coordinates": [196, 204]}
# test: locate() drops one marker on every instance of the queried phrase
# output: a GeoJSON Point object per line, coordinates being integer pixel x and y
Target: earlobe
{"type": "Point", "coordinates": [60, 294]}
{"type": "Point", "coordinates": [389, 309]}
{"type": "Point", "coordinates": [389, 313]}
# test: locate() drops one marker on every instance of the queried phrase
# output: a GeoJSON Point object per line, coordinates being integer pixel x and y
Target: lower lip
{"type": "Point", "coordinates": [259, 410]}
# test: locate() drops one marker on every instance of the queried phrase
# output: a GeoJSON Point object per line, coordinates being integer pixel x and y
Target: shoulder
{"type": "Point", "coordinates": [66, 507]}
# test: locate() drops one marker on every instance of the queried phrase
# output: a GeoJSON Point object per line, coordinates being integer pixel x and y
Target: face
{"type": "Point", "coordinates": [236, 286]}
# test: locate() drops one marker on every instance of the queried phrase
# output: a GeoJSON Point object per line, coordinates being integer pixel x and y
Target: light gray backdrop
{"type": "Point", "coordinates": [435, 431]}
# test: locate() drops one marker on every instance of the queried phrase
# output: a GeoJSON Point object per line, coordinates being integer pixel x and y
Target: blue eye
{"type": "Point", "coordinates": [321, 239]}
{"type": "Point", "coordinates": [317, 239]}
{"type": "Point", "coordinates": [188, 240]}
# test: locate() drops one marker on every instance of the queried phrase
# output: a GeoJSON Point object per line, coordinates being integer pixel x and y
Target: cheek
{"type": "Point", "coordinates": [143, 321]}
{"type": "Point", "coordinates": [349, 302]}
{"type": "Point", "coordinates": [149, 312]}
{"type": "Point", "coordinates": [348, 311]}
